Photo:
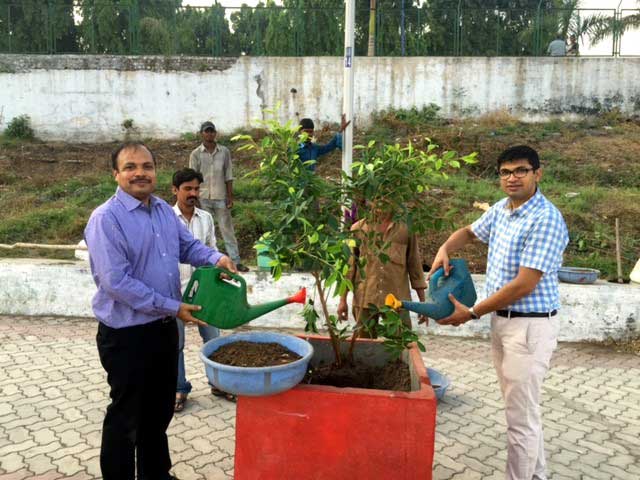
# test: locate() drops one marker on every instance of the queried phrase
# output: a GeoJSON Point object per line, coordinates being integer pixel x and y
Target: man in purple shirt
{"type": "Point", "coordinates": [135, 243]}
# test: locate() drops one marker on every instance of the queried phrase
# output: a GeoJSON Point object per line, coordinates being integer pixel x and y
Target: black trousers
{"type": "Point", "coordinates": [142, 369]}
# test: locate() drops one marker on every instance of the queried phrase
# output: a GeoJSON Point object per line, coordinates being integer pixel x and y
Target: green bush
{"type": "Point", "coordinates": [412, 117]}
{"type": "Point", "coordinates": [189, 137]}
{"type": "Point", "coordinates": [20, 128]}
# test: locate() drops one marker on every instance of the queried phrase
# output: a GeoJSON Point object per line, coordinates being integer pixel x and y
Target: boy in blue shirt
{"type": "Point", "coordinates": [308, 150]}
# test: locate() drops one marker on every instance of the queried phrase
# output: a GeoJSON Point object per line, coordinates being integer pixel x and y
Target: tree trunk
{"type": "Point", "coordinates": [371, 48]}
{"type": "Point", "coordinates": [335, 343]}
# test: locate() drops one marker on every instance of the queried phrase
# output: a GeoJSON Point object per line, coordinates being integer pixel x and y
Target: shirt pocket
{"type": "Point", "coordinates": [398, 253]}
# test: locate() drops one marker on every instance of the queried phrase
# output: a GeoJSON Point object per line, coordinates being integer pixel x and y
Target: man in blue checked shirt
{"type": "Point", "coordinates": [136, 243]}
{"type": "Point", "coordinates": [527, 237]}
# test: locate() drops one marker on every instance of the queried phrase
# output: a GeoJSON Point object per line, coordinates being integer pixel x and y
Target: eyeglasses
{"type": "Point", "coordinates": [519, 172]}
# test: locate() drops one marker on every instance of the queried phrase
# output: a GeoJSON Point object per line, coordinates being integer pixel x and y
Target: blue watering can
{"type": "Point", "coordinates": [438, 305]}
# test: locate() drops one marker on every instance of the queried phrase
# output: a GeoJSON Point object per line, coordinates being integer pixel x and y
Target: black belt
{"type": "Point", "coordinates": [507, 314]}
{"type": "Point", "coordinates": [166, 319]}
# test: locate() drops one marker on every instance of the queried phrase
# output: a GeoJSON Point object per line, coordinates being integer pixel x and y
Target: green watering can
{"type": "Point", "coordinates": [438, 306]}
{"type": "Point", "coordinates": [224, 301]}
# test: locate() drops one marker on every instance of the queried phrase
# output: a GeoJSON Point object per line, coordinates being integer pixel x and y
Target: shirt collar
{"type": "Point", "coordinates": [204, 149]}
{"type": "Point", "coordinates": [527, 206]}
{"type": "Point", "coordinates": [131, 203]}
{"type": "Point", "coordinates": [196, 211]}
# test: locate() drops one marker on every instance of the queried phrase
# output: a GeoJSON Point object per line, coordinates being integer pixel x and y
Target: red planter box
{"type": "Point", "coordinates": [320, 432]}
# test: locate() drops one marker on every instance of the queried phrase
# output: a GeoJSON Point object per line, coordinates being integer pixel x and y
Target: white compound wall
{"type": "Point", "coordinates": [87, 98]}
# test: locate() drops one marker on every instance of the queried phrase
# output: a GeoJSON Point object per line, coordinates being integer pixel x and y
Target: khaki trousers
{"type": "Point", "coordinates": [522, 349]}
{"type": "Point", "coordinates": [224, 224]}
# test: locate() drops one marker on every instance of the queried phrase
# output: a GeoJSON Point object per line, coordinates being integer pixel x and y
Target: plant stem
{"type": "Point", "coordinates": [334, 340]}
{"type": "Point", "coordinates": [355, 335]}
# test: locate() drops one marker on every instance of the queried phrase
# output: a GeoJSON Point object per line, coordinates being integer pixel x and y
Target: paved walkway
{"type": "Point", "coordinates": [53, 395]}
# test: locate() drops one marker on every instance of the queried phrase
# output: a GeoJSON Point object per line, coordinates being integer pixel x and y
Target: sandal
{"type": "Point", "coordinates": [230, 397]}
{"type": "Point", "coordinates": [181, 399]}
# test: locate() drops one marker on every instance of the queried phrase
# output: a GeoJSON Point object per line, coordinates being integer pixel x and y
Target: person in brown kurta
{"type": "Point", "coordinates": [404, 267]}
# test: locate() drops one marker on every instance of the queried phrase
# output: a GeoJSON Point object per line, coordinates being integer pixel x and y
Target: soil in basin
{"type": "Point", "coordinates": [253, 354]}
{"type": "Point", "coordinates": [391, 376]}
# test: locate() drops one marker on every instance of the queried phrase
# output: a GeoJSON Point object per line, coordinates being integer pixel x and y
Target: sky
{"type": "Point", "coordinates": [630, 41]}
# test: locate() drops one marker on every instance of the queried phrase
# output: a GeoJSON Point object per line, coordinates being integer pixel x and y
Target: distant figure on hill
{"type": "Point", "coordinates": [216, 194]}
{"type": "Point", "coordinates": [308, 150]}
{"type": "Point", "coordinates": [557, 48]}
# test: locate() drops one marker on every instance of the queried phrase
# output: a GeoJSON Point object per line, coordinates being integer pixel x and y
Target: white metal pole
{"type": "Point", "coordinates": [347, 101]}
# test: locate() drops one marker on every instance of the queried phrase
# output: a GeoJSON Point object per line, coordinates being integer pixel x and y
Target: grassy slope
{"type": "Point", "coordinates": [42, 200]}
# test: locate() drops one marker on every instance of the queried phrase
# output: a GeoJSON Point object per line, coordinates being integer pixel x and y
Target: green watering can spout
{"type": "Point", "coordinates": [224, 301]}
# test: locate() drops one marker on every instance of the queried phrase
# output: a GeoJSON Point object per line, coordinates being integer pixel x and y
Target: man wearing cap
{"type": "Point", "coordinates": [214, 162]}
{"type": "Point", "coordinates": [308, 151]}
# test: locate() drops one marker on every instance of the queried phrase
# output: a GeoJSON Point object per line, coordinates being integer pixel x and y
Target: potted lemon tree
{"type": "Point", "coordinates": [325, 431]}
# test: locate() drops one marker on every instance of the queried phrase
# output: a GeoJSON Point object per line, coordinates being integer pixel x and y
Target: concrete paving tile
{"type": "Point", "coordinates": [50, 475]}
{"type": "Point", "coordinates": [80, 476]}
{"type": "Point", "coordinates": [68, 465]}
{"type": "Point", "coordinates": [448, 462]}
{"type": "Point", "coordinates": [185, 470]}
{"type": "Point", "coordinates": [468, 475]}
{"type": "Point", "coordinates": [618, 473]}
{"type": "Point", "coordinates": [213, 472]}
{"type": "Point", "coordinates": [39, 464]}
{"type": "Point", "coordinates": [18, 435]}
{"type": "Point", "coordinates": [442, 473]}
{"type": "Point", "coordinates": [42, 449]}
{"type": "Point", "coordinates": [17, 447]}
{"type": "Point", "coordinates": [454, 451]}
{"type": "Point", "coordinates": [19, 475]}
{"type": "Point", "coordinates": [87, 454]}
{"type": "Point", "coordinates": [475, 465]}
{"type": "Point", "coordinates": [12, 462]}
{"type": "Point", "coordinates": [65, 451]}
{"type": "Point", "coordinates": [43, 436]}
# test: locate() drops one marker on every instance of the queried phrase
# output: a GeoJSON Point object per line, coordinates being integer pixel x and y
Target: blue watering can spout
{"type": "Point", "coordinates": [438, 306]}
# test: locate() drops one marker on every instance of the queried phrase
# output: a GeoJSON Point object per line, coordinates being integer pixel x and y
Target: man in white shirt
{"type": "Point", "coordinates": [558, 47]}
{"type": "Point", "coordinates": [186, 188]}
{"type": "Point", "coordinates": [214, 162]}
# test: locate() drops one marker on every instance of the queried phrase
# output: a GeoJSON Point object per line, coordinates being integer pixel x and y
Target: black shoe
{"type": "Point", "coordinates": [242, 268]}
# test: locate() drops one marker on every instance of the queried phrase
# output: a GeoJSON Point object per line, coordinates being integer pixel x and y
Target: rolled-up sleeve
{"type": "Point", "coordinates": [414, 264]}
{"type": "Point", "coordinates": [194, 161]}
{"type": "Point", "coordinates": [228, 167]}
{"type": "Point", "coordinates": [112, 269]}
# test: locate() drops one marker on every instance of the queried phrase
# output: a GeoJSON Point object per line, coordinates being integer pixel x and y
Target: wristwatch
{"type": "Point", "coordinates": [474, 315]}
